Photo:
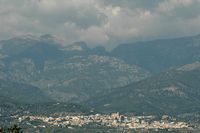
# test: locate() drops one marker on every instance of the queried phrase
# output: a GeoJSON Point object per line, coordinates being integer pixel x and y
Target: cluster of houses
{"type": "Point", "coordinates": [112, 120]}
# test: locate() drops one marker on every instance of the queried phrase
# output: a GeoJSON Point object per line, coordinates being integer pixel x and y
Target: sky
{"type": "Point", "coordinates": [100, 22]}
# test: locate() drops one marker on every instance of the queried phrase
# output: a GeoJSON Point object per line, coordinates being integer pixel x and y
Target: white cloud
{"type": "Point", "coordinates": [94, 35]}
{"type": "Point", "coordinates": [116, 10]}
{"type": "Point", "coordinates": [170, 5]}
{"type": "Point", "coordinates": [100, 21]}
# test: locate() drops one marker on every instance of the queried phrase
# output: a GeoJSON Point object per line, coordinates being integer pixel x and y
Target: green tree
{"type": "Point", "coordinates": [13, 129]}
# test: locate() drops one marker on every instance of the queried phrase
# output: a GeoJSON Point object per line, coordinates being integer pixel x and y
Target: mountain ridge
{"type": "Point", "coordinates": [72, 72]}
{"type": "Point", "coordinates": [171, 92]}
{"type": "Point", "coordinates": [160, 55]}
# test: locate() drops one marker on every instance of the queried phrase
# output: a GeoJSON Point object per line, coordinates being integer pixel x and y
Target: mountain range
{"type": "Point", "coordinates": [172, 92]}
{"type": "Point", "coordinates": [159, 76]}
{"type": "Point", "coordinates": [160, 55]}
{"type": "Point", "coordinates": [64, 73]}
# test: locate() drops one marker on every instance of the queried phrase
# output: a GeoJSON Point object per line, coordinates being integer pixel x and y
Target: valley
{"type": "Point", "coordinates": [42, 79]}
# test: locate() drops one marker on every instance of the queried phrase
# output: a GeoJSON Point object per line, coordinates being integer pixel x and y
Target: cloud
{"type": "Point", "coordinates": [106, 22]}
{"type": "Point", "coordinates": [170, 5]}
{"type": "Point", "coordinates": [116, 10]}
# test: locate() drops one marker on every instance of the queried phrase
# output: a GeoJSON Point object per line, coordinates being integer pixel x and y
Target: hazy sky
{"type": "Point", "coordinates": [105, 22]}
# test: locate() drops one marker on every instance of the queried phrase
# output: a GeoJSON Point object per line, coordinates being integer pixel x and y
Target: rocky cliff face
{"type": "Point", "coordinates": [70, 73]}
